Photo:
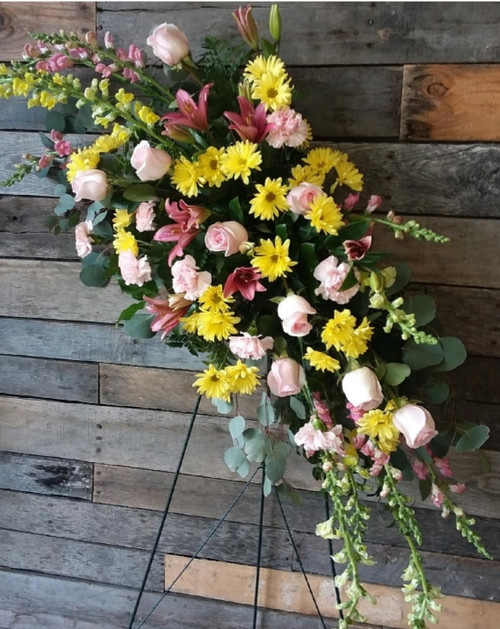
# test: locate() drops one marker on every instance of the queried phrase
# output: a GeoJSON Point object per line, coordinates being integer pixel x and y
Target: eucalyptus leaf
{"type": "Point", "coordinates": [255, 445]}
{"type": "Point", "coordinates": [46, 141]}
{"type": "Point", "coordinates": [223, 406]}
{"type": "Point", "coordinates": [265, 411]}
{"type": "Point", "coordinates": [473, 438]}
{"type": "Point", "coordinates": [421, 355]}
{"type": "Point", "coordinates": [94, 270]}
{"type": "Point", "coordinates": [66, 203]}
{"type": "Point", "coordinates": [396, 373]}
{"type": "Point", "coordinates": [275, 467]}
{"type": "Point", "coordinates": [422, 306]}
{"type": "Point", "coordinates": [139, 326]}
{"type": "Point", "coordinates": [454, 353]}
{"type": "Point", "coordinates": [297, 407]}
{"type": "Point", "coordinates": [436, 391]}
{"type": "Point", "coordinates": [54, 120]}
{"type": "Point", "coordinates": [267, 487]}
{"type": "Point", "coordinates": [236, 426]}
{"type": "Point", "coordinates": [234, 458]}
{"type": "Point", "coordinates": [102, 229]}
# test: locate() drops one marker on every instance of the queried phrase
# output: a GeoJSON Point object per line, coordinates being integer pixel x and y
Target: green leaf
{"type": "Point", "coordinates": [349, 281]}
{"type": "Point", "coordinates": [473, 438]}
{"type": "Point", "coordinates": [267, 487]}
{"type": "Point", "coordinates": [355, 230]}
{"type": "Point", "coordinates": [454, 353]}
{"type": "Point", "coordinates": [297, 407]}
{"type": "Point", "coordinates": [66, 203]}
{"type": "Point", "coordinates": [51, 222]}
{"type": "Point", "coordinates": [139, 326]}
{"type": "Point", "coordinates": [235, 211]}
{"type": "Point", "coordinates": [223, 407]}
{"type": "Point", "coordinates": [94, 270]}
{"type": "Point", "coordinates": [281, 231]}
{"type": "Point", "coordinates": [436, 391]}
{"type": "Point", "coordinates": [236, 426]}
{"type": "Point", "coordinates": [275, 467]}
{"type": "Point", "coordinates": [60, 189]}
{"type": "Point", "coordinates": [255, 445]}
{"type": "Point", "coordinates": [140, 192]}
{"type": "Point", "coordinates": [286, 491]}
{"type": "Point", "coordinates": [425, 487]}
{"type": "Point", "coordinates": [307, 255]}
{"type": "Point", "coordinates": [422, 306]}
{"type": "Point", "coordinates": [234, 458]}
{"type": "Point", "coordinates": [396, 373]}
{"type": "Point", "coordinates": [421, 355]}
{"type": "Point", "coordinates": [54, 120]}
{"type": "Point", "coordinates": [102, 230]}
{"type": "Point", "coordinates": [265, 411]}
{"type": "Point", "coordinates": [46, 141]}
{"type": "Point", "coordinates": [129, 312]}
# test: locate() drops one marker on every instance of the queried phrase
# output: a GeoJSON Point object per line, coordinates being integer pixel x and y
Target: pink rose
{"type": "Point", "coordinates": [299, 198]}
{"type": "Point", "coordinates": [90, 184]}
{"type": "Point", "coordinates": [134, 270]}
{"type": "Point", "coordinates": [293, 311]}
{"type": "Point", "coordinates": [226, 237]}
{"type": "Point", "coordinates": [332, 275]}
{"type": "Point", "coordinates": [313, 439]}
{"type": "Point", "coordinates": [169, 43]}
{"type": "Point", "coordinates": [362, 388]}
{"type": "Point", "coordinates": [83, 242]}
{"type": "Point", "coordinates": [416, 424]}
{"type": "Point", "coordinates": [188, 280]}
{"type": "Point", "coordinates": [247, 346]}
{"type": "Point", "coordinates": [286, 377]}
{"type": "Point", "coordinates": [149, 163]}
{"type": "Point", "coordinates": [144, 216]}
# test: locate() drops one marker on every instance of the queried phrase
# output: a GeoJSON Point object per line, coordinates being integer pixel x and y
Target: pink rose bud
{"type": "Point", "coordinates": [149, 163]}
{"type": "Point", "coordinates": [350, 202]}
{"type": "Point", "coordinates": [293, 311]}
{"type": "Point", "coordinates": [416, 424]}
{"type": "Point", "coordinates": [226, 237]}
{"type": "Point", "coordinates": [286, 377]}
{"type": "Point", "coordinates": [90, 184]}
{"type": "Point", "coordinates": [299, 198]}
{"type": "Point", "coordinates": [362, 388]}
{"type": "Point", "coordinates": [169, 43]}
{"type": "Point", "coordinates": [374, 202]}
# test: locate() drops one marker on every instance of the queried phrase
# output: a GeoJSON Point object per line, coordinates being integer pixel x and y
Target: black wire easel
{"type": "Point", "coordinates": [255, 607]}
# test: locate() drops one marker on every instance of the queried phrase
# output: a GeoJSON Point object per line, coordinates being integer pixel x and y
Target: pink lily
{"type": "Point", "coordinates": [250, 123]}
{"type": "Point", "coordinates": [167, 314]}
{"type": "Point", "coordinates": [244, 280]}
{"type": "Point", "coordinates": [190, 114]}
{"type": "Point", "coordinates": [185, 228]}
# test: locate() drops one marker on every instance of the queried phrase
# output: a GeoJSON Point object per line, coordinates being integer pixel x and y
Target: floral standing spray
{"type": "Point", "coordinates": [240, 239]}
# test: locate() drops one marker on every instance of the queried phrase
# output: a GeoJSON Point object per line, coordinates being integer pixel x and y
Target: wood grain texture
{"type": "Point", "coordinates": [451, 103]}
{"type": "Point", "coordinates": [352, 33]}
{"type": "Point", "coordinates": [46, 475]}
{"type": "Point", "coordinates": [20, 18]}
{"type": "Point", "coordinates": [52, 379]}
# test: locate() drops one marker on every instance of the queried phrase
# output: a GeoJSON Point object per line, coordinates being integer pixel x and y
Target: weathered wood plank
{"type": "Point", "coordinates": [29, 601]}
{"type": "Point", "coordinates": [38, 377]}
{"type": "Point", "coordinates": [462, 311]}
{"type": "Point", "coordinates": [89, 342]}
{"type": "Point", "coordinates": [451, 103]}
{"type": "Point", "coordinates": [336, 33]}
{"type": "Point", "coordinates": [20, 18]}
{"type": "Point", "coordinates": [42, 475]}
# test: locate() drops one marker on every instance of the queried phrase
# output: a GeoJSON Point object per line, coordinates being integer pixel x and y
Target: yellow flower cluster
{"type": "Point", "coordinates": [321, 361]}
{"type": "Point", "coordinates": [319, 162]}
{"type": "Point", "coordinates": [215, 319]}
{"type": "Point", "coordinates": [379, 426]}
{"type": "Point", "coordinates": [342, 334]}
{"type": "Point", "coordinates": [269, 82]}
{"type": "Point", "coordinates": [124, 240]}
{"type": "Point", "coordinates": [221, 383]}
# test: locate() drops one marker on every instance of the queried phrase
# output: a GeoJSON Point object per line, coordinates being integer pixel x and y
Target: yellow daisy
{"type": "Point", "coordinates": [338, 330]}
{"type": "Point", "coordinates": [259, 66]}
{"type": "Point", "coordinates": [275, 91]}
{"type": "Point", "coordinates": [322, 159]}
{"type": "Point", "coordinates": [124, 241]}
{"type": "Point", "coordinates": [242, 379]}
{"type": "Point", "coordinates": [121, 219]}
{"type": "Point", "coordinates": [269, 200]}
{"type": "Point", "coordinates": [378, 425]}
{"type": "Point", "coordinates": [272, 259]}
{"type": "Point", "coordinates": [213, 300]}
{"type": "Point", "coordinates": [85, 158]}
{"type": "Point", "coordinates": [185, 176]}
{"type": "Point", "coordinates": [217, 325]}
{"type": "Point", "coordinates": [348, 175]}
{"type": "Point", "coordinates": [213, 383]}
{"type": "Point", "coordinates": [240, 159]}
{"type": "Point", "coordinates": [321, 361]}
{"type": "Point", "coordinates": [357, 344]}
{"type": "Point", "coordinates": [210, 166]}
{"type": "Point", "coordinates": [325, 215]}
{"type": "Point", "coordinates": [305, 174]}
{"type": "Point", "coordinates": [190, 324]}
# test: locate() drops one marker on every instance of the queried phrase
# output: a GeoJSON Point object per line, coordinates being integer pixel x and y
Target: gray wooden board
{"type": "Point", "coordinates": [53, 379]}
{"type": "Point", "coordinates": [96, 553]}
{"type": "Point", "coordinates": [46, 475]}
{"type": "Point", "coordinates": [410, 177]}
{"type": "Point", "coordinates": [51, 603]}
{"type": "Point", "coordinates": [334, 33]}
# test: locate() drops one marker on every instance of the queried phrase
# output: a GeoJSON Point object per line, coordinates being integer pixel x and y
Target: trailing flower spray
{"type": "Point", "coordinates": [204, 197]}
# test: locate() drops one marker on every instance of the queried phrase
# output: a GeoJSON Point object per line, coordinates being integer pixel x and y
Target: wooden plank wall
{"type": "Point", "coordinates": [92, 422]}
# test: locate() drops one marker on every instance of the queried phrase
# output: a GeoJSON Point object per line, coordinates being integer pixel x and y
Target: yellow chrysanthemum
{"type": "Point", "coordinates": [112, 141]}
{"type": "Point", "coordinates": [275, 91]}
{"type": "Point", "coordinates": [146, 114]}
{"type": "Point", "coordinates": [325, 215]}
{"type": "Point", "coordinates": [338, 330]}
{"type": "Point", "coordinates": [190, 324]}
{"type": "Point", "coordinates": [210, 166]}
{"type": "Point", "coordinates": [213, 383]}
{"type": "Point", "coordinates": [270, 199]}
{"type": "Point", "coordinates": [240, 159]}
{"type": "Point", "coordinates": [322, 159]}
{"type": "Point", "coordinates": [358, 342]}
{"type": "Point", "coordinates": [125, 241]}
{"type": "Point", "coordinates": [321, 361]}
{"type": "Point", "coordinates": [305, 174]}
{"type": "Point", "coordinates": [348, 175]}
{"type": "Point", "coordinates": [213, 300]}
{"type": "Point", "coordinates": [83, 159]}
{"type": "Point", "coordinates": [217, 325]}
{"type": "Point", "coordinates": [259, 66]}
{"type": "Point", "coordinates": [242, 379]}
{"type": "Point", "coordinates": [185, 176]}
{"type": "Point", "coordinates": [378, 425]}
{"type": "Point", "coordinates": [121, 219]}
{"type": "Point", "coordinates": [272, 259]}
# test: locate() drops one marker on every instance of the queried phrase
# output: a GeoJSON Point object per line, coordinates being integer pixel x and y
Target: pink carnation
{"type": "Point", "coordinates": [188, 280]}
{"type": "Point", "coordinates": [313, 439]}
{"type": "Point", "coordinates": [144, 216]}
{"type": "Point", "coordinates": [443, 466]}
{"type": "Point", "coordinates": [290, 129]}
{"type": "Point", "coordinates": [420, 468]}
{"type": "Point", "coordinates": [331, 274]}
{"type": "Point", "coordinates": [134, 270]}
{"type": "Point", "coordinates": [247, 346]}
{"type": "Point", "coordinates": [83, 242]}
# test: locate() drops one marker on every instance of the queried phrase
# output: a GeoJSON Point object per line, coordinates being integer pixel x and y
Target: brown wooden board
{"type": "Point", "coordinates": [46, 475]}
{"type": "Point", "coordinates": [53, 379]}
{"type": "Point", "coordinates": [333, 33]}
{"type": "Point", "coordinates": [452, 103]}
{"type": "Point", "coordinates": [18, 19]}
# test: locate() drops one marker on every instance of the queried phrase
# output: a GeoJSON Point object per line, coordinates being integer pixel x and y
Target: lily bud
{"type": "Point", "coordinates": [275, 22]}
{"type": "Point", "coordinates": [247, 26]}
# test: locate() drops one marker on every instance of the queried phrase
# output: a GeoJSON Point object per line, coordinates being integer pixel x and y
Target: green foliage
{"type": "Point", "coordinates": [422, 306]}
{"type": "Point", "coordinates": [139, 326]}
{"type": "Point", "coordinates": [473, 438]}
{"type": "Point", "coordinates": [94, 270]}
